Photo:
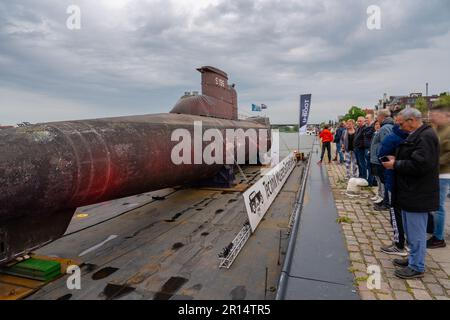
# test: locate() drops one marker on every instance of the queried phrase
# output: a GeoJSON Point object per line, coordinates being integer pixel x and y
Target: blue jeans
{"type": "Point", "coordinates": [361, 159]}
{"type": "Point", "coordinates": [439, 216]}
{"type": "Point", "coordinates": [370, 177]}
{"type": "Point", "coordinates": [415, 225]}
{"type": "Point", "coordinates": [339, 152]}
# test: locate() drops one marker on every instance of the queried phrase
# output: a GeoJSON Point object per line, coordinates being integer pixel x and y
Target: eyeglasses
{"type": "Point", "coordinates": [405, 120]}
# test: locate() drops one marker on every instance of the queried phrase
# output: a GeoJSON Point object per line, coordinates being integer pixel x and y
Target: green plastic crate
{"type": "Point", "coordinates": [42, 270]}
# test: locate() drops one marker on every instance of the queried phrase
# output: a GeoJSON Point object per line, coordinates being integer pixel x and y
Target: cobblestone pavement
{"type": "Point", "coordinates": [366, 230]}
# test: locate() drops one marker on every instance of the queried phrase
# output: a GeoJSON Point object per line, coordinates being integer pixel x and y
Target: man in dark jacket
{"type": "Point", "coordinates": [416, 187]}
{"type": "Point", "coordinates": [358, 144]}
{"type": "Point", "coordinates": [368, 133]}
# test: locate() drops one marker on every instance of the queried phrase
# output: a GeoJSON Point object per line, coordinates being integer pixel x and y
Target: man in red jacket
{"type": "Point", "coordinates": [327, 138]}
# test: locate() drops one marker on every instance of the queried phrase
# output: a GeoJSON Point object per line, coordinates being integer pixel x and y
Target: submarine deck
{"type": "Point", "coordinates": [167, 247]}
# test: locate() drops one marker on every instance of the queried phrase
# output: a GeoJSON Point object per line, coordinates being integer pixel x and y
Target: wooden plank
{"type": "Point", "coordinates": [14, 292]}
{"type": "Point", "coordinates": [19, 281]}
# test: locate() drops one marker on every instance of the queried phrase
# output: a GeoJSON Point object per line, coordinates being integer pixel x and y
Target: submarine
{"type": "Point", "coordinates": [47, 170]}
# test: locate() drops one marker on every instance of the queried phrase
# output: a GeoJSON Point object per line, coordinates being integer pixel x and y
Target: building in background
{"type": "Point", "coordinates": [409, 101]}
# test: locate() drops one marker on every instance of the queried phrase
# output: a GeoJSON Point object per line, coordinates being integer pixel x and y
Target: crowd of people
{"type": "Point", "coordinates": [408, 159]}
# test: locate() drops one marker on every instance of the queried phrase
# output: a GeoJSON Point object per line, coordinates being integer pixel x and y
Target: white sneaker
{"type": "Point", "coordinates": [374, 198]}
{"type": "Point", "coordinates": [379, 200]}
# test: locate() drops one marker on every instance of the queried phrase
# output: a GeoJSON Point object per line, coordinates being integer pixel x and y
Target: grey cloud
{"type": "Point", "coordinates": [141, 58]}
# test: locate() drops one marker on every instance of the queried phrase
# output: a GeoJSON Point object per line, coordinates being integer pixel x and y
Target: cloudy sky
{"type": "Point", "coordinates": [138, 57]}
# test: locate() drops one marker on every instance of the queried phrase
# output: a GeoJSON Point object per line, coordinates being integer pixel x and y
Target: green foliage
{"type": "Point", "coordinates": [354, 113]}
{"type": "Point", "coordinates": [421, 104]}
{"type": "Point", "coordinates": [444, 100]}
{"type": "Point", "coordinates": [361, 279]}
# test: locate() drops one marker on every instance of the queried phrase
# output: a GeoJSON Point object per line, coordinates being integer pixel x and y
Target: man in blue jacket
{"type": "Point", "coordinates": [337, 141]}
{"type": "Point", "coordinates": [388, 148]}
{"type": "Point", "coordinates": [387, 124]}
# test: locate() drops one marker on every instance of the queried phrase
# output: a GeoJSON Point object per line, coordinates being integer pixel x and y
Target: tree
{"type": "Point", "coordinates": [444, 99]}
{"type": "Point", "coordinates": [354, 113]}
{"type": "Point", "coordinates": [421, 105]}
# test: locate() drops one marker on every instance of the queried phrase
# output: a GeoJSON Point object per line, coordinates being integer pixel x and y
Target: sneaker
{"type": "Point", "coordinates": [393, 250]}
{"type": "Point", "coordinates": [380, 207]}
{"type": "Point", "coordinates": [434, 243]}
{"type": "Point", "coordinates": [408, 273]}
{"type": "Point", "coordinates": [375, 198]}
{"type": "Point", "coordinates": [401, 263]}
{"type": "Point", "coordinates": [379, 200]}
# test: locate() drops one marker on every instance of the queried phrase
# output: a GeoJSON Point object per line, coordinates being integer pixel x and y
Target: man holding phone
{"type": "Point", "coordinates": [416, 187]}
{"type": "Point", "coordinates": [388, 147]}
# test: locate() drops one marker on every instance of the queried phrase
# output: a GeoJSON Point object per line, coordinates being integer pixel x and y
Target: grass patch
{"type": "Point", "coordinates": [360, 279]}
{"type": "Point", "coordinates": [353, 270]}
{"type": "Point", "coordinates": [341, 220]}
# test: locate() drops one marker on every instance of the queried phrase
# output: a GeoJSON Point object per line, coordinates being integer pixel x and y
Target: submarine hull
{"type": "Point", "coordinates": [48, 170]}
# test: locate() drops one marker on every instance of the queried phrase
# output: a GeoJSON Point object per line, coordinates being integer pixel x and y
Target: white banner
{"type": "Point", "coordinates": [260, 196]}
